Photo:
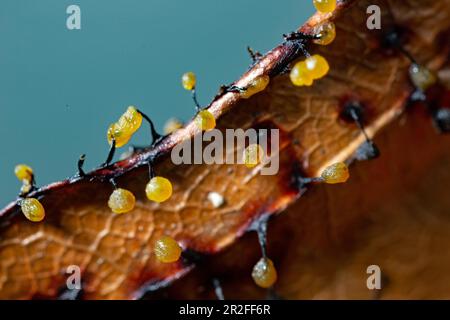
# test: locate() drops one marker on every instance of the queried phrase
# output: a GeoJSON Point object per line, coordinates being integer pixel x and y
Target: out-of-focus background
{"type": "Point", "coordinates": [60, 89]}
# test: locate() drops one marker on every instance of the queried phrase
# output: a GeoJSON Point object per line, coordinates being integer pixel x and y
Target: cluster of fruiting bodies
{"type": "Point", "coordinates": [159, 189]}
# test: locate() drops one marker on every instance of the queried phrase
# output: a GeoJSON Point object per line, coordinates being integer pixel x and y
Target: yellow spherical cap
{"type": "Point", "coordinates": [317, 66]}
{"type": "Point", "coordinates": [336, 173]}
{"type": "Point", "coordinates": [253, 155]}
{"type": "Point", "coordinates": [23, 172]}
{"type": "Point", "coordinates": [121, 201]}
{"type": "Point", "coordinates": [257, 85]}
{"type": "Point", "coordinates": [325, 6]}
{"type": "Point", "coordinates": [130, 121]}
{"type": "Point", "coordinates": [300, 76]}
{"type": "Point", "coordinates": [189, 80]}
{"type": "Point", "coordinates": [114, 131]}
{"type": "Point", "coordinates": [205, 120]}
{"type": "Point", "coordinates": [326, 33]}
{"type": "Point", "coordinates": [167, 249]}
{"type": "Point", "coordinates": [32, 209]}
{"type": "Point", "coordinates": [264, 273]}
{"type": "Point", "coordinates": [158, 189]}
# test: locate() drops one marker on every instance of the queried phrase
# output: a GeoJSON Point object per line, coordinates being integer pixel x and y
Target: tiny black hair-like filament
{"type": "Point", "coordinates": [151, 171]}
{"type": "Point", "coordinates": [111, 152]}
{"type": "Point", "coordinates": [254, 55]}
{"type": "Point", "coordinates": [156, 137]}
{"type": "Point", "coordinates": [198, 107]}
{"type": "Point", "coordinates": [113, 183]}
{"type": "Point", "coordinates": [80, 164]}
{"type": "Point", "coordinates": [368, 150]}
{"type": "Point", "coordinates": [261, 231]}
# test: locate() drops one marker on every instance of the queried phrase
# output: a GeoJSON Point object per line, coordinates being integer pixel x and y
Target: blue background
{"type": "Point", "coordinates": [60, 88]}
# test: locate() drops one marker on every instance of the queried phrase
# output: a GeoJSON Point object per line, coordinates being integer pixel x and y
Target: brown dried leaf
{"type": "Point", "coordinates": [323, 244]}
{"type": "Point", "coordinates": [115, 252]}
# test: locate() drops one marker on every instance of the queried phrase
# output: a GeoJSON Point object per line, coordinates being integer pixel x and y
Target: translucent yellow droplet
{"type": "Point", "coordinates": [253, 155]}
{"type": "Point", "coordinates": [123, 130]}
{"type": "Point", "coordinates": [303, 73]}
{"type": "Point", "coordinates": [115, 132]}
{"type": "Point", "coordinates": [23, 172]}
{"type": "Point", "coordinates": [172, 125]}
{"type": "Point", "coordinates": [130, 121]}
{"type": "Point", "coordinates": [205, 120]}
{"type": "Point", "coordinates": [422, 77]}
{"type": "Point", "coordinates": [317, 66]}
{"type": "Point", "coordinates": [159, 189]}
{"type": "Point", "coordinates": [189, 80]}
{"type": "Point", "coordinates": [336, 173]}
{"type": "Point", "coordinates": [121, 201]}
{"type": "Point", "coordinates": [256, 85]}
{"type": "Point", "coordinates": [326, 32]}
{"type": "Point", "coordinates": [167, 249]}
{"type": "Point", "coordinates": [32, 209]}
{"type": "Point", "coordinates": [300, 76]}
{"type": "Point", "coordinates": [325, 6]}
{"type": "Point", "coordinates": [264, 273]}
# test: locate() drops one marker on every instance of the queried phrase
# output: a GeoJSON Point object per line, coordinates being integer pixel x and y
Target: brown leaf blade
{"type": "Point", "coordinates": [115, 252]}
